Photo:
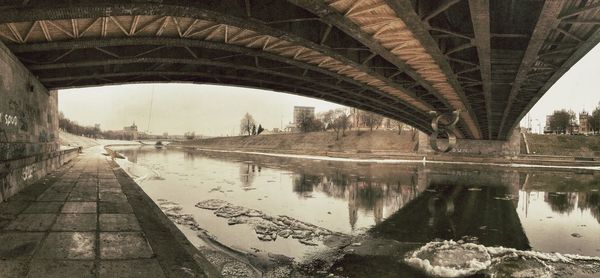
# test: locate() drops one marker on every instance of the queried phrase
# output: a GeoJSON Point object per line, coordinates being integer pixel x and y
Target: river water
{"type": "Point", "coordinates": [377, 219]}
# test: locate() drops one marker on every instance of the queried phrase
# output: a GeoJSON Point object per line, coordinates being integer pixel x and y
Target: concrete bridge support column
{"type": "Point", "coordinates": [29, 146]}
{"type": "Point", "coordinates": [489, 148]}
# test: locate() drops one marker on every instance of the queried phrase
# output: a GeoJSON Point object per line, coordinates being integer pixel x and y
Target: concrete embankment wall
{"type": "Point", "coordinates": [319, 143]}
{"type": "Point", "coordinates": [490, 148]}
{"type": "Point", "coordinates": [29, 146]}
{"type": "Point", "coordinates": [358, 144]}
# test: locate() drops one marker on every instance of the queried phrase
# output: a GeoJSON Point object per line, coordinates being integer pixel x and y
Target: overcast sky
{"type": "Point", "coordinates": [178, 108]}
{"type": "Point", "coordinates": [217, 110]}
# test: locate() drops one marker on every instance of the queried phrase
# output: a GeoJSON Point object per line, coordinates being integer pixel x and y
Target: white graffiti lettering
{"type": "Point", "coordinates": [8, 120]}
{"type": "Point", "coordinates": [28, 172]}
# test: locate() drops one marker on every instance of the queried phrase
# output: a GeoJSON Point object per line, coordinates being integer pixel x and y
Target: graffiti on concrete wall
{"type": "Point", "coordinates": [24, 113]}
{"type": "Point", "coordinates": [5, 185]}
{"type": "Point", "coordinates": [44, 136]}
{"type": "Point", "coordinates": [27, 173]}
{"type": "Point", "coordinates": [8, 120]}
{"type": "Point", "coordinates": [12, 150]}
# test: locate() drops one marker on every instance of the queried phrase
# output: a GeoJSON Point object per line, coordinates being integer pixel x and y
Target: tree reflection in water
{"type": "Point", "coordinates": [248, 172]}
{"type": "Point", "coordinates": [561, 202]}
{"type": "Point", "coordinates": [591, 201]}
{"type": "Point", "coordinates": [364, 194]}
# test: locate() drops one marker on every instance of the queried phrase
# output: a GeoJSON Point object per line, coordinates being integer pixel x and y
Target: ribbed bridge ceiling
{"type": "Point", "coordinates": [491, 59]}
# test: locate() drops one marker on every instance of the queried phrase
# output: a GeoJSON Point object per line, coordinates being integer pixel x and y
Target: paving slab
{"type": "Point", "coordinates": [68, 245]}
{"type": "Point", "coordinates": [13, 268]}
{"type": "Point", "coordinates": [32, 222]}
{"type": "Point", "coordinates": [89, 219]}
{"type": "Point", "coordinates": [111, 189]}
{"type": "Point", "coordinates": [118, 222]}
{"type": "Point", "coordinates": [79, 207]}
{"type": "Point", "coordinates": [44, 207]}
{"type": "Point", "coordinates": [83, 196]}
{"type": "Point", "coordinates": [112, 207]}
{"type": "Point", "coordinates": [124, 245]}
{"type": "Point", "coordinates": [16, 245]}
{"type": "Point", "coordinates": [61, 187]}
{"type": "Point", "coordinates": [53, 196]}
{"type": "Point", "coordinates": [113, 197]}
{"type": "Point", "coordinates": [6, 219]}
{"type": "Point", "coordinates": [76, 222]}
{"type": "Point", "coordinates": [13, 207]}
{"type": "Point", "coordinates": [109, 183]}
{"type": "Point", "coordinates": [61, 269]}
{"type": "Point", "coordinates": [130, 269]}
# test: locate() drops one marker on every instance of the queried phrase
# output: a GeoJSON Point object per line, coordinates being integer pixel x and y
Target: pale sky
{"type": "Point", "coordinates": [177, 107]}
{"type": "Point", "coordinates": [217, 110]}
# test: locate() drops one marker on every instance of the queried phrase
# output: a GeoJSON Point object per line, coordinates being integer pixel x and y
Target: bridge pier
{"type": "Point", "coordinates": [29, 146]}
{"type": "Point", "coordinates": [490, 148]}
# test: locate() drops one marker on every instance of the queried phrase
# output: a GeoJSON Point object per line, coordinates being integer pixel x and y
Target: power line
{"type": "Point", "coordinates": [150, 112]}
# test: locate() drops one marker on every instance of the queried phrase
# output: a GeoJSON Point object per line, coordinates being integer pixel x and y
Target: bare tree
{"type": "Point", "coordinates": [246, 124]}
{"type": "Point", "coordinates": [371, 119]}
{"type": "Point", "coordinates": [190, 135]}
{"type": "Point", "coordinates": [342, 119]}
{"type": "Point", "coordinates": [338, 120]}
{"type": "Point", "coordinates": [328, 118]}
{"type": "Point", "coordinates": [304, 121]}
{"type": "Point", "coordinates": [397, 124]}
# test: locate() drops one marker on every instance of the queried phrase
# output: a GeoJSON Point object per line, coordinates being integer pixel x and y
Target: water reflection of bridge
{"type": "Point", "coordinates": [413, 203]}
{"type": "Point", "coordinates": [487, 197]}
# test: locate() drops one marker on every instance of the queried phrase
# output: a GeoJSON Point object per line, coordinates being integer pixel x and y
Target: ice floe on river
{"type": "Point", "coordinates": [458, 259]}
{"type": "Point", "coordinates": [266, 227]}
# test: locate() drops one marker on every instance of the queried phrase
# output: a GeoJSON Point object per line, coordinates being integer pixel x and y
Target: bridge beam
{"type": "Point", "coordinates": [333, 18]}
{"type": "Point", "coordinates": [582, 49]}
{"type": "Point", "coordinates": [386, 100]}
{"type": "Point", "coordinates": [405, 11]}
{"type": "Point", "coordinates": [219, 79]}
{"type": "Point", "coordinates": [415, 56]}
{"type": "Point", "coordinates": [480, 16]}
{"type": "Point", "coordinates": [548, 21]}
{"type": "Point", "coordinates": [203, 11]}
{"type": "Point", "coordinates": [324, 90]}
{"type": "Point", "coordinates": [342, 22]}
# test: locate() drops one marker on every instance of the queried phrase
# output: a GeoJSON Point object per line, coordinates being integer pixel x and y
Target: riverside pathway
{"type": "Point", "coordinates": [89, 219]}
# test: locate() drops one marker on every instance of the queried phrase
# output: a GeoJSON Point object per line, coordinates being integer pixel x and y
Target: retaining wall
{"type": "Point", "coordinates": [29, 146]}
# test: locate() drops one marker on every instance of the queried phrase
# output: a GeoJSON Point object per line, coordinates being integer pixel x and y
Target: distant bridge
{"type": "Point", "coordinates": [400, 58]}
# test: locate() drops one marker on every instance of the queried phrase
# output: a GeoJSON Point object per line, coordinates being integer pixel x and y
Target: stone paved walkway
{"type": "Point", "coordinates": [89, 219]}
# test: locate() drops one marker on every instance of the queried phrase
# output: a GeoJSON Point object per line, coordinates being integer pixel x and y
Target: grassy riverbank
{"type": "Point", "coordinates": [322, 143]}
{"type": "Point", "coordinates": [564, 145]}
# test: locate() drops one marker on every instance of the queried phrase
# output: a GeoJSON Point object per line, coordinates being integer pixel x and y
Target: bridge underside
{"type": "Point", "coordinates": [493, 59]}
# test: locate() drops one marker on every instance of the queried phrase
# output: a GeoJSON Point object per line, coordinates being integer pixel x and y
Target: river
{"type": "Point", "coordinates": [374, 219]}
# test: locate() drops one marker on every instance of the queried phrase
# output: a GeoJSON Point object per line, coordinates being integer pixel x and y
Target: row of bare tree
{"type": "Point", "coordinates": [248, 126]}
{"type": "Point", "coordinates": [341, 119]}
